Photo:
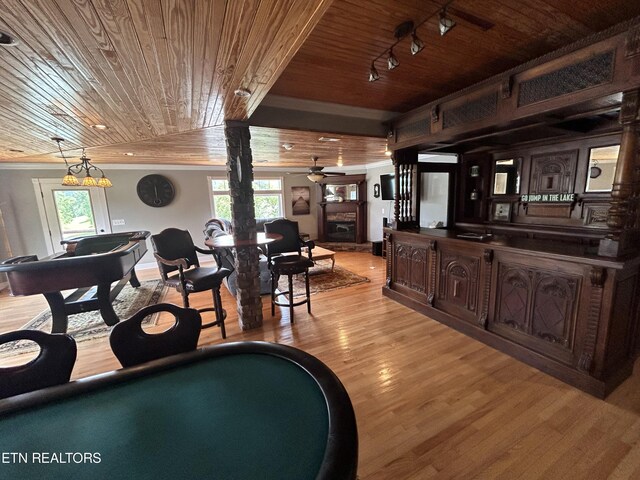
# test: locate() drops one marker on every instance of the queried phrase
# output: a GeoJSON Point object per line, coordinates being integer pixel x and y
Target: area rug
{"type": "Point", "coordinates": [90, 325]}
{"type": "Point", "coordinates": [322, 279]}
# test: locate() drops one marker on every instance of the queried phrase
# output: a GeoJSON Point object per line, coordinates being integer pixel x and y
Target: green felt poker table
{"type": "Point", "coordinates": [249, 410]}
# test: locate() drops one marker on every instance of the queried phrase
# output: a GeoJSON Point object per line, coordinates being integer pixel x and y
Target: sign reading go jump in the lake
{"type": "Point", "coordinates": [548, 197]}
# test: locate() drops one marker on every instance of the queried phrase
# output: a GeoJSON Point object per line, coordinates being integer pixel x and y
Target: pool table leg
{"type": "Point", "coordinates": [104, 303]}
{"type": "Point", "coordinates": [59, 316]}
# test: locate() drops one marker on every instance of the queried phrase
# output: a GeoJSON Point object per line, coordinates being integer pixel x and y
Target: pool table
{"type": "Point", "coordinates": [248, 410]}
{"type": "Point", "coordinates": [90, 265]}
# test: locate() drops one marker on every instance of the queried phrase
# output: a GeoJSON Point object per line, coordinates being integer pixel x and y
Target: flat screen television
{"type": "Point", "coordinates": [387, 186]}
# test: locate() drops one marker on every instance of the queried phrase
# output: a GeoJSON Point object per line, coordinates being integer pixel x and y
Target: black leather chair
{"type": "Point", "coordinates": [291, 264]}
{"type": "Point", "coordinates": [52, 366]}
{"type": "Point", "coordinates": [180, 269]}
{"type": "Point", "coordinates": [133, 346]}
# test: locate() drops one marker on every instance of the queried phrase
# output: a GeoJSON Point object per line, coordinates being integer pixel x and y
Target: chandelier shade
{"type": "Point", "coordinates": [84, 166]}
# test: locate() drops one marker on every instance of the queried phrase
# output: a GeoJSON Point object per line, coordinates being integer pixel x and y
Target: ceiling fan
{"type": "Point", "coordinates": [316, 172]}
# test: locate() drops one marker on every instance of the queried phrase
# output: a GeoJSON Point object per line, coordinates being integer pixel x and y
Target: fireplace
{"type": "Point", "coordinates": [341, 227]}
{"type": "Point", "coordinates": [342, 212]}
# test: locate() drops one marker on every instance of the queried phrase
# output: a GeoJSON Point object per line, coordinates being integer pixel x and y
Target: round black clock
{"type": "Point", "coordinates": [155, 190]}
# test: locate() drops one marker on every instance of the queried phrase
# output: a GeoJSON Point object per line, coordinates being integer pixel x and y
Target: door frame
{"type": "Point", "coordinates": [98, 201]}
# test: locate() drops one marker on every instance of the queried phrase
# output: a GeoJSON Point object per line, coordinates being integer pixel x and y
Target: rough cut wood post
{"type": "Point", "coordinates": [240, 176]}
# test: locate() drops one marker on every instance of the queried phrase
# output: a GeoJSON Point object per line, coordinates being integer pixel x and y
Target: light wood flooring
{"type": "Point", "coordinates": [430, 402]}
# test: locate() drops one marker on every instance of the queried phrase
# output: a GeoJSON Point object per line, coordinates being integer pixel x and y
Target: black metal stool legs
{"type": "Point", "coordinates": [306, 282]}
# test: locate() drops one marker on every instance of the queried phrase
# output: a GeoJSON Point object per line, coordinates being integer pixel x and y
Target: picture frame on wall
{"type": "Point", "coordinates": [501, 211]}
{"type": "Point", "coordinates": [300, 200]}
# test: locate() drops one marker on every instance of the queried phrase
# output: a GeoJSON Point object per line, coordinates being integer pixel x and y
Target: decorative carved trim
{"type": "Point", "coordinates": [506, 87]}
{"type": "Point", "coordinates": [435, 114]}
{"type": "Point", "coordinates": [389, 255]}
{"type": "Point", "coordinates": [629, 107]}
{"type": "Point", "coordinates": [596, 70]}
{"type": "Point", "coordinates": [433, 245]}
{"type": "Point", "coordinates": [471, 111]}
{"type": "Point", "coordinates": [597, 277]}
{"type": "Point", "coordinates": [412, 130]}
{"type": "Point", "coordinates": [488, 260]}
{"type": "Point", "coordinates": [632, 42]}
{"type": "Point", "coordinates": [596, 215]}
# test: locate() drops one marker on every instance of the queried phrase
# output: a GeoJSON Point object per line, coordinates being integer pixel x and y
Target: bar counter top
{"type": "Point", "coordinates": [542, 247]}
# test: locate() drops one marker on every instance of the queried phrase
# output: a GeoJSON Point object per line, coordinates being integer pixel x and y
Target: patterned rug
{"type": "Point", "coordinates": [322, 279]}
{"type": "Point", "coordinates": [89, 325]}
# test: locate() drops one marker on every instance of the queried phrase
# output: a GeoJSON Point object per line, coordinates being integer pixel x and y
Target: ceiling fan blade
{"type": "Point", "coordinates": [472, 19]}
{"type": "Point", "coordinates": [333, 173]}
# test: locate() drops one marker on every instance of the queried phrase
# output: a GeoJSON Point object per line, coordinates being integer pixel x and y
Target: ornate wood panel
{"type": "Point", "coordinates": [537, 308]}
{"type": "Point", "coordinates": [553, 172]}
{"type": "Point", "coordinates": [458, 284]}
{"type": "Point", "coordinates": [410, 268]}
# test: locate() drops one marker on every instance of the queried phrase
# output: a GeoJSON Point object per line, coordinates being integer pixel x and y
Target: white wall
{"type": "Point", "coordinates": [190, 209]}
{"type": "Point", "coordinates": [376, 207]}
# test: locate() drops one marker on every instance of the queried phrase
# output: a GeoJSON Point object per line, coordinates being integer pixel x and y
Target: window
{"type": "Point", "coordinates": [267, 194]}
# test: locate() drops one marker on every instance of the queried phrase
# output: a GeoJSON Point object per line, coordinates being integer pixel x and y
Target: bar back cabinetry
{"type": "Point", "coordinates": [551, 305]}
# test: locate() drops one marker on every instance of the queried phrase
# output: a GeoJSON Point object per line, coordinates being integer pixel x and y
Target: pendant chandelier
{"type": "Point", "coordinates": [83, 167]}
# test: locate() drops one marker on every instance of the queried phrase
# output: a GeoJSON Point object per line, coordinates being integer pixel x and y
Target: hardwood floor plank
{"type": "Point", "coordinates": [429, 402]}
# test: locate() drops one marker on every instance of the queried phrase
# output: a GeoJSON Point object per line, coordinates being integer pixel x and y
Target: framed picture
{"type": "Point", "coordinates": [300, 200]}
{"type": "Point", "coordinates": [501, 211]}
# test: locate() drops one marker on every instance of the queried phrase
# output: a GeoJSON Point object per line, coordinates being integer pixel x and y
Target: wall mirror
{"type": "Point", "coordinates": [602, 168]}
{"type": "Point", "coordinates": [341, 193]}
{"type": "Point", "coordinates": [506, 177]}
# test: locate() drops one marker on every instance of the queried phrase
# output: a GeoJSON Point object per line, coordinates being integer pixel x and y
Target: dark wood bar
{"type": "Point", "coordinates": [539, 256]}
{"type": "Point", "coordinates": [554, 305]}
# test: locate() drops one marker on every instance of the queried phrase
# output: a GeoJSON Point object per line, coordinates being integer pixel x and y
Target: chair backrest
{"type": "Point", "coordinates": [290, 237]}
{"type": "Point", "coordinates": [132, 346]}
{"type": "Point", "coordinates": [52, 366]}
{"type": "Point", "coordinates": [171, 244]}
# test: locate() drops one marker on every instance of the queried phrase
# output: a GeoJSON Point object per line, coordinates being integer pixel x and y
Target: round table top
{"type": "Point", "coordinates": [229, 241]}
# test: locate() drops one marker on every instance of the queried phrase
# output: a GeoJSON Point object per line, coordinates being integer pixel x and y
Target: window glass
{"type": "Point", "coordinates": [267, 198]}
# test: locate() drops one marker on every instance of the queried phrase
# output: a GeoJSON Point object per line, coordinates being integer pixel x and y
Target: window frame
{"type": "Point", "coordinates": [256, 193]}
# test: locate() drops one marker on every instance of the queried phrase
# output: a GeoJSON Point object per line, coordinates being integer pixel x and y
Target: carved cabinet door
{"type": "Point", "coordinates": [537, 307]}
{"type": "Point", "coordinates": [410, 269]}
{"type": "Point", "coordinates": [458, 283]}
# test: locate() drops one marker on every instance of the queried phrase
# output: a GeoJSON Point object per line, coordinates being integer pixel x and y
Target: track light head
{"type": "Point", "coordinates": [416, 44]}
{"type": "Point", "coordinates": [392, 61]}
{"type": "Point", "coordinates": [445, 23]}
{"type": "Point", "coordinates": [373, 73]}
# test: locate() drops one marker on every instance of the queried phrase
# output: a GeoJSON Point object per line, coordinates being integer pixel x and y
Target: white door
{"type": "Point", "coordinates": [68, 212]}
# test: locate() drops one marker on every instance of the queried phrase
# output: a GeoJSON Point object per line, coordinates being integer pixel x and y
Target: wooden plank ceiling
{"type": "Point", "coordinates": [333, 64]}
{"type": "Point", "coordinates": [161, 73]}
{"type": "Point", "coordinates": [144, 68]}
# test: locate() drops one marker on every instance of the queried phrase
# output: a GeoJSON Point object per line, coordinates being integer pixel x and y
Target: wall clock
{"type": "Point", "coordinates": [155, 190]}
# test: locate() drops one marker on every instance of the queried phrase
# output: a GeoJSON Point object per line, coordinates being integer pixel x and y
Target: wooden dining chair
{"type": "Point", "coordinates": [52, 366]}
{"type": "Point", "coordinates": [132, 345]}
{"type": "Point", "coordinates": [177, 258]}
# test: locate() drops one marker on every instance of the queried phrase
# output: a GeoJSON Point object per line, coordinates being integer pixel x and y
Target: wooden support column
{"type": "Point", "coordinates": [623, 216]}
{"type": "Point", "coordinates": [240, 176]}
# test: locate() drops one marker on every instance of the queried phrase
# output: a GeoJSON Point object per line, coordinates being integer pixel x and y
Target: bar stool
{"type": "Point", "coordinates": [285, 258]}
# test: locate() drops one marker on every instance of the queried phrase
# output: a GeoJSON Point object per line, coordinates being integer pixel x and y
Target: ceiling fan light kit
{"type": "Point", "coordinates": [316, 173]}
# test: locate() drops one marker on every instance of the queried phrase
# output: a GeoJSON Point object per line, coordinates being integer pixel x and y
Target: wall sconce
{"type": "Point", "coordinates": [474, 171]}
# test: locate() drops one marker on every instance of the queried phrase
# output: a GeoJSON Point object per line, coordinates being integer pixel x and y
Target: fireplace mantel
{"type": "Point", "coordinates": [342, 209]}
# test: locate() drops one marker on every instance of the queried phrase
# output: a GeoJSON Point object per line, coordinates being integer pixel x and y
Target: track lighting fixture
{"type": "Point", "coordinates": [408, 28]}
{"type": "Point", "coordinates": [392, 61]}
{"type": "Point", "coordinates": [416, 44]}
{"type": "Point", "coordinates": [373, 73]}
{"type": "Point", "coordinates": [445, 23]}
